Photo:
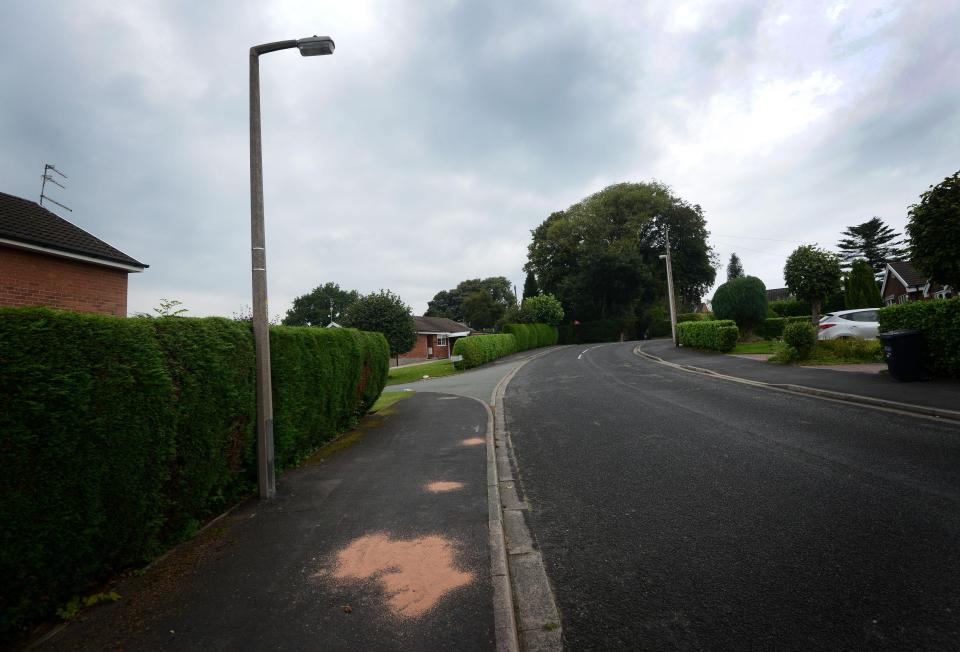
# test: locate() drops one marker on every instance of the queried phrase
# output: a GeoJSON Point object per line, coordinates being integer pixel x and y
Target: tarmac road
{"type": "Point", "coordinates": [679, 511]}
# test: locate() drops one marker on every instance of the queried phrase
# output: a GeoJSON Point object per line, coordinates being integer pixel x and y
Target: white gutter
{"type": "Point", "coordinates": [71, 256]}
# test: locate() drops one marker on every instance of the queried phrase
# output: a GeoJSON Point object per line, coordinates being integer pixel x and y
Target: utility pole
{"type": "Point", "coordinates": [673, 301]}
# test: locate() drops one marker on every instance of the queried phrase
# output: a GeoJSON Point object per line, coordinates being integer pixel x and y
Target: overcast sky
{"type": "Point", "coordinates": [440, 133]}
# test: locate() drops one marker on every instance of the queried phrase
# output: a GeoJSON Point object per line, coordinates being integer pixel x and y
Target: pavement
{"type": "Point", "coordinates": [381, 546]}
{"type": "Point", "coordinates": [866, 385]}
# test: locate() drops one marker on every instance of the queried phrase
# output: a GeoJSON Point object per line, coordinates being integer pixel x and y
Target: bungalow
{"type": "Point", "coordinates": [435, 337]}
{"type": "Point", "coordinates": [902, 283]}
{"type": "Point", "coordinates": [47, 261]}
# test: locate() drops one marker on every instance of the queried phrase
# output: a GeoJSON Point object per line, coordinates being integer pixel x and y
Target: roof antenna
{"type": "Point", "coordinates": [48, 177]}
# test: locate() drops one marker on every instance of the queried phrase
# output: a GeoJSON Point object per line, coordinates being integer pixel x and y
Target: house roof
{"type": "Point", "coordinates": [907, 273]}
{"type": "Point", "coordinates": [439, 325]}
{"type": "Point", "coordinates": [26, 222]}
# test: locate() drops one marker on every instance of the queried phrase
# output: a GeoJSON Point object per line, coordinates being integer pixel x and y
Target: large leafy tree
{"type": "Point", "coordinates": [934, 230]}
{"type": "Point", "coordinates": [860, 289]}
{"type": "Point", "coordinates": [384, 312]}
{"type": "Point", "coordinates": [734, 267]}
{"type": "Point", "coordinates": [813, 275]}
{"type": "Point", "coordinates": [600, 257]}
{"type": "Point", "coordinates": [480, 311]}
{"type": "Point", "coordinates": [450, 303]}
{"type": "Point", "coordinates": [872, 241]}
{"type": "Point", "coordinates": [320, 306]}
{"type": "Point", "coordinates": [743, 300]}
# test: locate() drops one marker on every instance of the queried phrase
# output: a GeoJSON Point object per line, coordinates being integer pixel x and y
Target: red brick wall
{"type": "Point", "coordinates": [34, 279]}
{"type": "Point", "coordinates": [419, 349]}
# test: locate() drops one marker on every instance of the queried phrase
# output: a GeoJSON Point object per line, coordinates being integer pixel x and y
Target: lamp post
{"type": "Point", "coordinates": [673, 302]}
{"type": "Point", "coordinates": [311, 46]}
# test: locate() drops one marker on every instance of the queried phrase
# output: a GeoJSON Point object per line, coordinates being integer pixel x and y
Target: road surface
{"type": "Point", "coordinates": [678, 511]}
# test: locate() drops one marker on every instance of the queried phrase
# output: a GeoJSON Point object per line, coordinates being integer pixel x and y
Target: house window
{"type": "Point", "coordinates": [888, 301]}
{"type": "Point", "coordinates": [441, 340]}
{"type": "Point", "coordinates": [903, 298]}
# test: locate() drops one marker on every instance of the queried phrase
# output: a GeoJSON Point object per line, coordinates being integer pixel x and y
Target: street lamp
{"type": "Point", "coordinates": [673, 303]}
{"type": "Point", "coordinates": [311, 46]}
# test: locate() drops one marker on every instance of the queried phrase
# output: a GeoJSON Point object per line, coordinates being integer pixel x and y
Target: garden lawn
{"type": "Point", "coordinates": [402, 375]}
{"type": "Point", "coordinates": [763, 346]}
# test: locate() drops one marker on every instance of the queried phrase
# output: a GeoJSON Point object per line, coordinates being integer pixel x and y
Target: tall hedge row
{"type": "Point", "coordinates": [118, 436]}
{"type": "Point", "coordinates": [479, 349]}
{"type": "Point", "coordinates": [604, 330]}
{"type": "Point", "coordinates": [719, 335]}
{"type": "Point", "coordinates": [532, 336]}
{"type": "Point", "coordinates": [939, 321]}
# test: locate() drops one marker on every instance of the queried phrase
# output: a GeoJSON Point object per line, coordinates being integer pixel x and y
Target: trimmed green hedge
{"type": "Point", "coordinates": [118, 436]}
{"type": "Point", "coordinates": [532, 336]}
{"type": "Point", "coordinates": [603, 330]}
{"type": "Point", "coordinates": [719, 335]}
{"type": "Point", "coordinates": [772, 328]}
{"type": "Point", "coordinates": [939, 321]}
{"type": "Point", "coordinates": [479, 349]}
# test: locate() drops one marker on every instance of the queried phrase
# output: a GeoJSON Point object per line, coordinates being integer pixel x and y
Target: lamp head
{"type": "Point", "coordinates": [315, 45]}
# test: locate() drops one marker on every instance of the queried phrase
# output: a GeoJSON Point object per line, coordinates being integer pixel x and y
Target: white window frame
{"type": "Point", "coordinates": [903, 298]}
{"type": "Point", "coordinates": [441, 339]}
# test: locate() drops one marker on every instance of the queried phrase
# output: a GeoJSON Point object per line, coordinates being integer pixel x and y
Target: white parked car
{"type": "Point", "coordinates": [860, 323]}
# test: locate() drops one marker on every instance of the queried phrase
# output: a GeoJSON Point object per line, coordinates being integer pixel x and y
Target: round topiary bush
{"type": "Point", "coordinates": [744, 300]}
{"type": "Point", "coordinates": [801, 338]}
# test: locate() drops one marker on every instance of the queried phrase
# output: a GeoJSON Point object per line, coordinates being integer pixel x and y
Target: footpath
{"type": "Point", "coordinates": [381, 546]}
{"type": "Point", "coordinates": [932, 397]}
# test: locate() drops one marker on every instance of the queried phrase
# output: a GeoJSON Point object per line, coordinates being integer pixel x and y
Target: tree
{"type": "Point", "coordinates": [813, 275]}
{"type": "Point", "coordinates": [934, 230]}
{"type": "Point", "coordinates": [449, 303]}
{"type": "Point", "coordinates": [860, 287]}
{"type": "Point", "coordinates": [480, 311]}
{"type": "Point", "coordinates": [323, 304]}
{"type": "Point", "coordinates": [384, 312]}
{"type": "Point", "coordinates": [872, 241]}
{"type": "Point", "coordinates": [543, 309]}
{"type": "Point", "coordinates": [734, 268]}
{"type": "Point", "coordinates": [743, 300]}
{"type": "Point", "coordinates": [600, 257]}
{"type": "Point", "coordinates": [530, 287]}
{"type": "Point", "coordinates": [170, 308]}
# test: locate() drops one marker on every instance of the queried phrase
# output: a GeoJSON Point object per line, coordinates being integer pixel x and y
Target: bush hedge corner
{"type": "Point", "coordinates": [718, 335]}
{"type": "Point", "coordinates": [939, 321]}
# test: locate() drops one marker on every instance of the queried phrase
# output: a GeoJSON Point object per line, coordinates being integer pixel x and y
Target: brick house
{"type": "Point", "coordinates": [902, 283]}
{"type": "Point", "coordinates": [435, 337]}
{"type": "Point", "coordinates": [47, 261]}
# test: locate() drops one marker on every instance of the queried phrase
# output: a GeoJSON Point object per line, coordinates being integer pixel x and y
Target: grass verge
{"type": "Point", "coordinates": [841, 351]}
{"type": "Point", "coordinates": [387, 399]}
{"type": "Point", "coordinates": [413, 373]}
{"type": "Point", "coordinates": [763, 346]}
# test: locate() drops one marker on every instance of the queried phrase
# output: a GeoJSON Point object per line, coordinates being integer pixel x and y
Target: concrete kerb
{"type": "Point", "coordinates": [537, 619]}
{"type": "Point", "coordinates": [840, 397]}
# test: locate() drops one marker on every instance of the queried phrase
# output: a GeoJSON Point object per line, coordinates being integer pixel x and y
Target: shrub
{"type": "Point", "coordinates": [526, 338]}
{"type": "Point", "coordinates": [542, 309]}
{"type": "Point", "coordinates": [743, 300]}
{"type": "Point", "coordinates": [801, 337]}
{"type": "Point", "coordinates": [691, 316]}
{"type": "Point", "coordinates": [718, 335]}
{"type": "Point", "coordinates": [790, 308]}
{"type": "Point", "coordinates": [939, 321]}
{"type": "Point", "coordinates": [479, 349]}
{"type": "Point", "coordinates": [120, 435]}
{"type": "Point", "coordinates": [772, 328]}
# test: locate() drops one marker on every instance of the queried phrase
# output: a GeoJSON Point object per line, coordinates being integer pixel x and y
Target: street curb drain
{"type": "Point", "coordinates": [869, 401]}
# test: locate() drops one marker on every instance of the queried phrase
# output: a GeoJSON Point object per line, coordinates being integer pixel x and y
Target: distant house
{"type": "Point", "coordinates": [47, 261]}
{"type": "Point", "coordinates": [779, 294]}
{"type": "Point", "coordinates": [435, 337]}
{"type": "Point", "coordinates": [903, 283]}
